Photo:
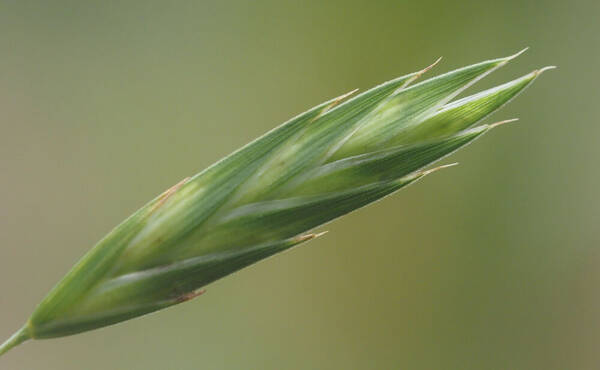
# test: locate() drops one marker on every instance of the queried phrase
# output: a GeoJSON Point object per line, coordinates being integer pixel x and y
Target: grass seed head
{"type": "Point", "coordinates": [263, 199]}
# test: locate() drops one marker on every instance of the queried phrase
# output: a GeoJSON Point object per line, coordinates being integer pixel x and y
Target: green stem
{"type": "Point", "coordinates": [17, 338]}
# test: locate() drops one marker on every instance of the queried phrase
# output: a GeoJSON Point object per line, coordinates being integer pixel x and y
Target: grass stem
{"type": "Point", "coordinates": [17, 338]}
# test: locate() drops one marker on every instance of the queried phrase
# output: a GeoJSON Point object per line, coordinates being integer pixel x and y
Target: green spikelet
{"type": "Point", "coordinates": [267, 196]}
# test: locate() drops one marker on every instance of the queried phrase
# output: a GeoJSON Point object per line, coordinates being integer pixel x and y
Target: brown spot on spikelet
{"type": "Point", "coordinates": [170, 191]}
{"type": "Point", "coordinates": [191, 295]}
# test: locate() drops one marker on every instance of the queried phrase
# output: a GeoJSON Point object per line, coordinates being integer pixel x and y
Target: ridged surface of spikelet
{"type": "Point", "coordinates": [264, 198]}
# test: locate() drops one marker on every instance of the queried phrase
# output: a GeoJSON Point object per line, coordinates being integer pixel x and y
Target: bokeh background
{"type": "Point", "coordinates": [493, 264]}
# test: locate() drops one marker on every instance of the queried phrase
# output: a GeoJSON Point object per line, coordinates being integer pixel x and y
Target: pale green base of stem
{"type": "Point", "coordinates": [17, 338]}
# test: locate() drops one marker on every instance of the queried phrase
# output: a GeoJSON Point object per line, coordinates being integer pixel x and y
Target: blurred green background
{"type": "Point", "coordinates": [493, 264]}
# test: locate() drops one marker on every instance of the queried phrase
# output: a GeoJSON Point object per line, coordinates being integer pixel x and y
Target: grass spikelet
{"type": "Point", "coordinates": [267, 197]}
